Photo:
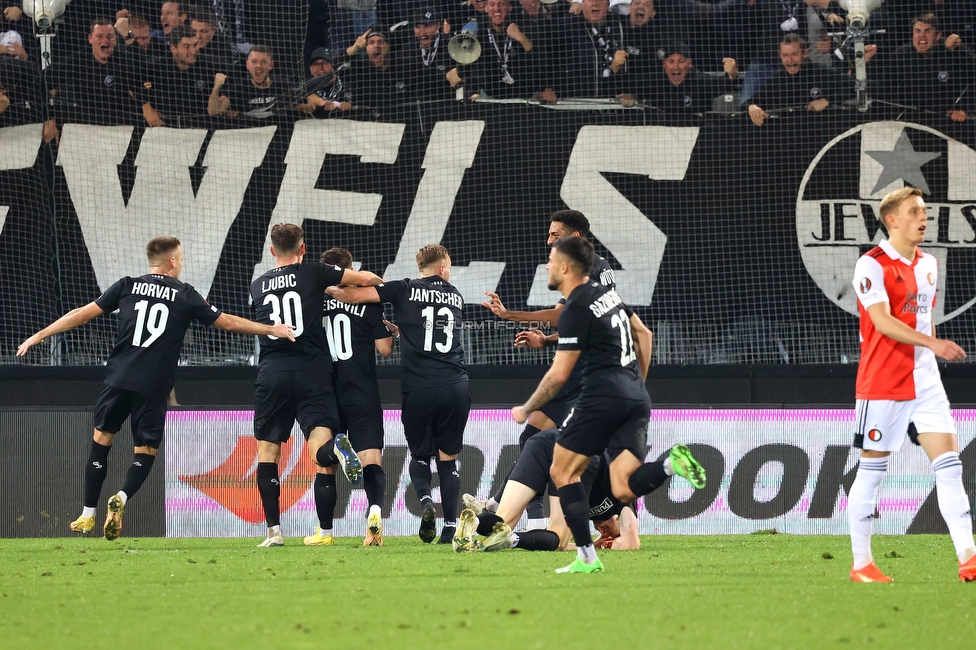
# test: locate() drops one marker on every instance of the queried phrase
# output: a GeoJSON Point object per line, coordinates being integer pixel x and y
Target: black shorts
{"type": "Point", "coordinates": [434, 419]}
{"type": "Point", "coordinates": [558, 410]}
{"type": "Point", "coordinates": [596, 480]}
{"type": "Point", "coordinates": [282, 397]}
{"type": "Point", "coordinates": [600, 423]}
{"type": "Point", "coordinates": [532, 467]}
{"type": "Point", "coordinates": [148, 414]}
{"type": "Point", "coordinates": [363, 423]}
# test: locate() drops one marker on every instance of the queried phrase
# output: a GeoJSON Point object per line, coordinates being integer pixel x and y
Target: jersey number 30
{"type": "Point", "coordinates": [149, 320]}
{"type": "Point", "coordinates": [287, 310]}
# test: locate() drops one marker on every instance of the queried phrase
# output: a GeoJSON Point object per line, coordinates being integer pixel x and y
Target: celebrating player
{"type": "Point", "coordinates": [898, 382]}
{"type": "Point", "coordinates": [354, 332]}
{"type": "Point", "coordinates": [155, 311]}
{"type": "Point", "coordinates": [599, 331]}
{"type": "Point", "coordinates": [562, 223]}
{"type": "Point", "coordinates": [616, 522]}
{"type": "Point", "coordinates": [436, 399]}
{"type": "Point", "coordinates": [295, 381]}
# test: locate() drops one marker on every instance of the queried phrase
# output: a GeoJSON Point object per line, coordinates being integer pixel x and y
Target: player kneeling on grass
{"type": "Point", "coordinates": [612, 412]}
{"type": "Point", "coordinates": [155, 310]}
{"type": "Point", "coordinates": [616, 522]}
{"type": "Point", "coordinates": [295, 383]}
{"type": "Point", "coordinates": [898, 381]}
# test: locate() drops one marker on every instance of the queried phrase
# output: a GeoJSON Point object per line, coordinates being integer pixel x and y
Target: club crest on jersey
{"type": "Point", "coordinates": [874, 435]}
{"type": "Point", "coordinates": [838, 222]}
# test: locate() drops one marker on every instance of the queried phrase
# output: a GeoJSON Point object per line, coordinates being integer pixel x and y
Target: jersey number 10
{"type": "Point", "coordinates": [338, 329]}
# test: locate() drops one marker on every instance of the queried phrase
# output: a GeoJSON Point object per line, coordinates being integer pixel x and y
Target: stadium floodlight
{"type": "Point", "coordinates": [44, 13]}
{"type": "Point", "coordinates": [858, 11]}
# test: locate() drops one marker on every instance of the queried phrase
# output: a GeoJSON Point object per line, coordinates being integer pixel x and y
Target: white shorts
{"type": "Point", "coordinates": [882, 424]}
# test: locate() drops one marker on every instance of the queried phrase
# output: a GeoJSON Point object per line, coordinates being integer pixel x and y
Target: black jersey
{"type": "Point", "coordinates": [154, 314]}
{"type": "Point", "coordinates": [811, 82]}
{"type": "Point", "coordinates": [602, 273]}
{"type": "Point", "coordinates": [90, 92]}
{"type": "Point", "coordinates": [251, 101]}
{"type": "Point", "coordinates": [293, 295]}
{"type": "Point", "coordinates": [352, 331]}
{"type": "Point", "coordinates": [596, 322]}
{"type": "Point", "coordinates": [596, 477]}
{"type": "Point", "coordinates": [428, 311]}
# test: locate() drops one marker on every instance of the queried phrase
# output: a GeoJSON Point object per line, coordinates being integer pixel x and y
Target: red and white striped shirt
{"type": "Point", "coordinates": [889, 369]}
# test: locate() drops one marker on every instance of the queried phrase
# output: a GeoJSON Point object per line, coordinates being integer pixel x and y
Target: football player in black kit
{"type": "Point", "coordinates": [155, 311]}
{"type": "Point", "coordinates": [295, 381]}
{"type": "Point", "coordinates": [436, 399]}
{"type": "Point", "coordinates": [616, 521]}
{"type": "Point", "coordinates": [356, 333]}
{"type": "Point", "coordinates": [562, 223]}
{"type": "Point", "coordinates": [597, 330]}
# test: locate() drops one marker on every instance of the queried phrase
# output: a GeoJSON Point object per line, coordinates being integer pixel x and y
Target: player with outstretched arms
{"type": "Point", "coordinates": [295, 381]}
{"type": "Point", "coordinates": [898, 381]}
{"type": "Point", "coordinates": [155, 311]}
{"type": "Point", "coordinates": [356, 333]}
{"type": "Point", "coordinates": [599, 331]}
{"type": "Point", "coordinates": [436, 399]}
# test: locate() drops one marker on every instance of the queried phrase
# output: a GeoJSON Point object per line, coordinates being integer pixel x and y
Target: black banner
{"type": "Point", "coordinates": [735, 243]}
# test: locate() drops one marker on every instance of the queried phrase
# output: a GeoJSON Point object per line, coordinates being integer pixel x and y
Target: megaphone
{"type": "Point", "coordinates": [465, 48]}
{"type": "Point", "coordinates": [548, 2]}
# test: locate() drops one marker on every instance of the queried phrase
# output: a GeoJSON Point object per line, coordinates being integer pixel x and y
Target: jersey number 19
{"type": "Point", "coordinates": [151, 320]}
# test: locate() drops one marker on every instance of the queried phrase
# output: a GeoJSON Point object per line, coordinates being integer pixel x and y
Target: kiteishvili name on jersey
{"type": "Point", "coordinates": [356, 310]}
{"type": "Point", "coordinates": [436, 297]}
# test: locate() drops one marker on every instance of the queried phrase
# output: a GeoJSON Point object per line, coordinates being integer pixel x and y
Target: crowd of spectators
{"type": "Point", "coordinates": [170, 63]}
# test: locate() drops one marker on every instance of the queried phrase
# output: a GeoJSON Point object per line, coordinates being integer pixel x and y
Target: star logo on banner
{"type": "Point", "coordinates": [902, 163]}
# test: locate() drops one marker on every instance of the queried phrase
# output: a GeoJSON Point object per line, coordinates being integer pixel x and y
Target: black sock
{"type": "Point", "coordinates": [420, 477]}
{"type": "Point", "coordinates": [270, 490]}
{"type": "Point", "coordinates": [326, 456]}
{"type": "Point", "coordinates": [647, 478]}
{"type": "Point", "coordinates": [325, 499]}
{"type": "Point", "coordinates": [487, 521]}
{"type": "Point", "coordinates": [537, 540]}
{"type": "Point", "coordinates": [96, 469]}
{"type": "Point", "coordinates": [497, 496]}
{"type": "Point", "coordinates": [374, 482]}
{"type": "Point", "coordinates": [450, 489]}
{"type": "Point", "coordinates": [527, 433]}
{"type": "Point", "coordinates": [137, 474]}
{"type": "Point", "coordinates": [535, 510]}
{"type": "Point", "coordinates": [573, 499]}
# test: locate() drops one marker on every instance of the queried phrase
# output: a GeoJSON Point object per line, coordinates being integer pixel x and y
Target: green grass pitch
{"type": "Point", "coordinates": [756, 591]}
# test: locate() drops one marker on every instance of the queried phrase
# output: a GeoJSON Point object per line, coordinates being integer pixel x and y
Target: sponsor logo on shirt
{"type": "Point", "coordinates": [567, 340]}
{"type": "Point", "coordinates": [815, 92]}
{"type": "Point", "coordinates": [944, 76]}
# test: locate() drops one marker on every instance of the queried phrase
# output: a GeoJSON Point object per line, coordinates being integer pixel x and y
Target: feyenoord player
{"type": "Point", "coordinates": [155, 311]}
{"type": "Point", "coordinates": [616, 522]}
{"type": "Point", "coordinates": [436, 400]}
{"type": "Point", "coordinates": [599, 331]}
{"type": "Point", "coordinates": [562, 223]}
{"type": "Point", "coordinates": [356, 333]}
{"type": "Point", "coordinates": [898, 381]}
{"type": "Point", "coordinates": [295, 380]}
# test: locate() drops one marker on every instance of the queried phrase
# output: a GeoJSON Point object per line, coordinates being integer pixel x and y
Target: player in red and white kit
{"type": "Point", "coordinates": [898, 381]}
